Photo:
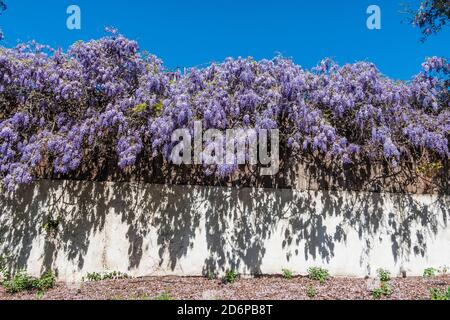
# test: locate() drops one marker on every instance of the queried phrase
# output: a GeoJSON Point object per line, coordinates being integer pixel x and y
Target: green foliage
{"type": "Point", "coordinates": [93, 276]}
{"type": "Point", "coordinates": [140, 108]}
{"type": "Point", "coordinates": [45, 282]}
{"type": "Point", "coordinates": [287, 274]}
{"type": "Point", "coordinates": [437, 294]}
{"type": "Point", "coordinates": [164, 296]}
{"type": "Point", "coordinates": [430, 272]}
{"type": "Point", "coordinates": [114, 275]}
{"type": "Point", "coordinates": [230, 277]}
{"type": "Point", "coordinates": [158, 107]}
{"type": "Point", "coordinates": [318, 274]}
{"type": "Point", "coordinates": [21, 281]}
{"type": "Point", "coordinates": [311, 292]}
{"type": "Point", "coordinates": [384, 275]}
{"type": "Point", "coordinates": [430, 169]}
{"type": "Point", "coordinates": [51, 225]}
{"type": "Point", "coordinates": [377, 293]}
{"type": "Point", "coordinates": [384, 290]}
{"type": "Point", "coordinates": [433, 272]}
{"type": "Point", "coordinates": [96, 276]}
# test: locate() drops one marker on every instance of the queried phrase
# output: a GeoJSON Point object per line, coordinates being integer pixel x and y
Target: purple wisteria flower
{"type": "Point", "coordinates": [104, 99]}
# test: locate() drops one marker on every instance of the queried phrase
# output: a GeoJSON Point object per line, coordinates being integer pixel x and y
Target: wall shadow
{"type": "Point", "coordinates": [237, 222]}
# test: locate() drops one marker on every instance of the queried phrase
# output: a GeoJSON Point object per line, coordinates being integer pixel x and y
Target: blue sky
{"type": "Point", "coordinates": [196, 32]}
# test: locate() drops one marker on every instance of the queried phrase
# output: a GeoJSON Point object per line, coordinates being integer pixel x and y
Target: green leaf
{"type": "Point", "coordinates": [158, 107]}
{"type": "Point", "coordinates": [140, 108]}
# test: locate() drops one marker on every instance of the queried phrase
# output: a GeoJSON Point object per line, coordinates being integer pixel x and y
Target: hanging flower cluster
{"type": "Point", "coordinates": [432, 16]}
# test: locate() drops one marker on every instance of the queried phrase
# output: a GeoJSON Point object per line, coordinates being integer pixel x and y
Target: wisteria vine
{"type": "Point", "coordinates": [432, 16]}
{"type": "Point", "coordinates": [104, 99]}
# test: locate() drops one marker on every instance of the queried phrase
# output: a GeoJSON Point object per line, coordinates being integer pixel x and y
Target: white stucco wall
{"type": "Point", "coordinates": [146, 230]}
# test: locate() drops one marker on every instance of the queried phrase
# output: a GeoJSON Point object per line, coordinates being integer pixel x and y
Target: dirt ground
{"type": "Point", "coordinates": [262, 288]}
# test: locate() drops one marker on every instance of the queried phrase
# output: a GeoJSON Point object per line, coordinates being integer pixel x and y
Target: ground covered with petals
{"type": "Point", "coordinates": [278, 288]}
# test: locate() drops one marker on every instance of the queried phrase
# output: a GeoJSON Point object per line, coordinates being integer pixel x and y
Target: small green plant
{"type": "Point", "coordinates": [96, 276]}
{"type": "Point", "coordinates": [287, 274]}
{"type": "Point", "coordinates": [164, 296]}
{"type": "Point", "coordinates": [93, 277]}
{"type": "Point", "coordinates": [21, 281]}
{"type": "Point", "coordinates": [318, 274]}
{"type": "Point", "coordinates": [115, 275]}
{"type": "Point", "coordinates": [430, 272]}
{"type": "Point", "coordinates": [311, 292]}
{"type": "Point", "coordinates": [45, 282]}
{"type": "Point", "coordinates": [384, 290]}
{"type": "Point", "coordinates": [433, 272]}
{"type": "Point", "coordinates": [230, 277]}
{"type": "Point", "coordinates": [377, 293]}
{"type": "Point", "coordinates": [40, 295]}
{"type": "Point", "coordinates": [437, 294]}
{"type": "Point", "coordinates": [384, 275]}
